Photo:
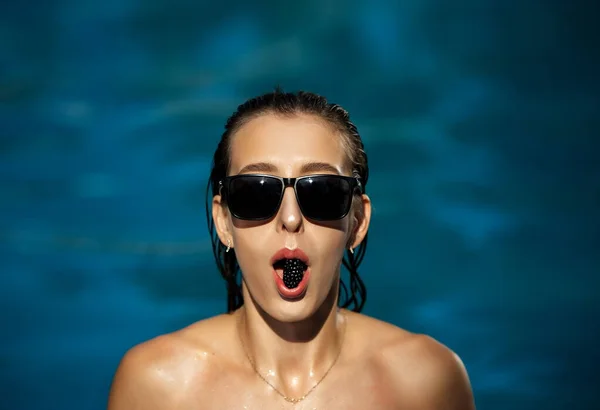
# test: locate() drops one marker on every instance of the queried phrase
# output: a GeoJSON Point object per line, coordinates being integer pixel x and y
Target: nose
{"type": "Point", "coordinates": [290, 216]}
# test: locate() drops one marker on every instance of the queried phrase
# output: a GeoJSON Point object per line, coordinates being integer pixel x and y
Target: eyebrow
{"type": "Point", "coordinates": [318, 167]}
{"type": "Point", "coordinates": [306, 168]}
{"type": "Point", "coordinates": [258, 167]}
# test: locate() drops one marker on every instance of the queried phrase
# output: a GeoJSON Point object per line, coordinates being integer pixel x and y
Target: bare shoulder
{"type": "Point", "coordinates": [424, 373]}
{"type": "Point", "coordinates": [156, 374]}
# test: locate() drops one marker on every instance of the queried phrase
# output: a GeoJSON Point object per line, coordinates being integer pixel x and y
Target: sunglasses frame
{"type": "Point", "coordinates": [354, 182]}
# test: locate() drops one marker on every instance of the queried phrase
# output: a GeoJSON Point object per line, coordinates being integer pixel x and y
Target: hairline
{"type": "Point", "coordinates": [336, 128]}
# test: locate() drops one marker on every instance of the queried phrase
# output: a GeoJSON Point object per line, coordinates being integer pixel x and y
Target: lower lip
{"type": "Point", "coordinates": [292, 293]}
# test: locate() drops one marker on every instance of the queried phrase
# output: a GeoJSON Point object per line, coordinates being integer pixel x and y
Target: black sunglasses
{"type": "Point", "coordinates": [255, 197]}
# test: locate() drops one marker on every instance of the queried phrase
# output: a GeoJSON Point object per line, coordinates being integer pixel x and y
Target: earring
{"type": "Point", "coordinates": [351, 251]}
{"type": "Point", "coordinates": [228, 245]}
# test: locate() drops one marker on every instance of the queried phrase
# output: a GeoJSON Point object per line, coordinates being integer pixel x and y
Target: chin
{"type": "Point", "coordinates": [296, 310]}
{"type": "Point", "coordinates": [274, 304]}
{"type": "Point", "coordinates": [291, 311]}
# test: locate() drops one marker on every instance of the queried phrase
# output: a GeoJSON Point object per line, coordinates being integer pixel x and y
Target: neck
{"type": "Point", "coordinates": [295, 356]}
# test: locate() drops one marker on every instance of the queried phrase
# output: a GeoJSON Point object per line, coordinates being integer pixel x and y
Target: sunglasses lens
{"type": "Point", "coordinates": [324, 198]}
{"type": "Point", "coordinates": [254, 197]}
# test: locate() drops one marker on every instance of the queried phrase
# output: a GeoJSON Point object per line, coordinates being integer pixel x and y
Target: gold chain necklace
{"type": "Point", "coordinates": [286, 398]}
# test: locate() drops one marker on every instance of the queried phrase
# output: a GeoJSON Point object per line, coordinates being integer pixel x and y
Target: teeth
{"type": "Point", "coordinates": [293, 272]}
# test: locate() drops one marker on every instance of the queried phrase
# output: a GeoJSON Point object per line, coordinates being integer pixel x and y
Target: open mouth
{"type": "Point", "coordinates": [291, 271]}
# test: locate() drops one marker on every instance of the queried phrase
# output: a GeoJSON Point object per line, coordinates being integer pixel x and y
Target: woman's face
{"type": "Point", "coordinates": [290, 147]}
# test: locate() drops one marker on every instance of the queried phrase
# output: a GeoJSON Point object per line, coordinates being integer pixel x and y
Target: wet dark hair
{"type": "Point", "coordinates": [287, 104]}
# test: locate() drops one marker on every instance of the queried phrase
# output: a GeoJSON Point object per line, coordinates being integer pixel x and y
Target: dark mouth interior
{"type": "Point", "coordinates": [279, 264]}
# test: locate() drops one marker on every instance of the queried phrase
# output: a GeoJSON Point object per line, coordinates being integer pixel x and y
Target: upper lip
{"type": "Point", "coordinates": [286, 253]}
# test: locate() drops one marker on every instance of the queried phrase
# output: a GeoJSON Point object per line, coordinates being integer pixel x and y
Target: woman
{"type": "Point", "coordinates": [288, 202]}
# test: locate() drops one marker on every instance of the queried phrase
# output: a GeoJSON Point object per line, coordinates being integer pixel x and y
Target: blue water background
{"type": "Point", "coordinates": [480, 119]}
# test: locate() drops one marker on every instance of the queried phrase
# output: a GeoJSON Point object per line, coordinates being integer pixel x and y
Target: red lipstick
{"type": "Point", "coordinates": [286, 253]}
{"type": "Point", "coordinates": [283, 290]}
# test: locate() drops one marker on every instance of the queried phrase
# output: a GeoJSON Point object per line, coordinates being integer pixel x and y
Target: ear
{"type": "Point", "coordinates": [220, 215]}
{"type": "Point", "coordinates": [362, 219]}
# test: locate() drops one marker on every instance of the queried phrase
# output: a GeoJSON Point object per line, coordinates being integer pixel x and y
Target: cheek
{"type": "Point", "coordinates": [252, 248]}
{"type": "Point", "coordinates": [333, 234]}
{"type": "Point", "coordinates": [255, 243]}
{"type": "Point", "coordinates": [330, 242]}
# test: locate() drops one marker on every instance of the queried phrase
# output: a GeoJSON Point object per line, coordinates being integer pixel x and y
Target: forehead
{"type": "Point", "coordinates": [288, 143]}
